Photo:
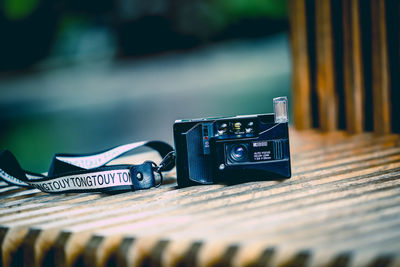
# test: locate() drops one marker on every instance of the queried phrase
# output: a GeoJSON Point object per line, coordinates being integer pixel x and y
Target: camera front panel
{"type": "Point", "coordinates": [266, 156]}
{"type": "Point", "coordinates": [221, 149]}
{"type": "Point", "coordinates": [253, 151]}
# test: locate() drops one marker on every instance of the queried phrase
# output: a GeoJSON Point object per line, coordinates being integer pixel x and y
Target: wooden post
{"type": "Point", "coordinates": [380, 68]}
{"type": "Point", "coordinates": [301, 65]}
{"type": "Point", "coordinates": [327, 97]}
{"type": "Point", "coordinates": [353, 67]}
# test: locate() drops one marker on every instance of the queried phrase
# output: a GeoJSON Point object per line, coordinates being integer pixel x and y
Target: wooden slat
{"type": "Point", "coordinates": [325, 67]}
{"type": "Point", "coordinates": [380, 68]}
{"type": "Point", "coordinates": [340, 207]}
{"type": "Point", "coordinates": [353, 67]}
{"type": "Point", "coordinates": [301, 66]}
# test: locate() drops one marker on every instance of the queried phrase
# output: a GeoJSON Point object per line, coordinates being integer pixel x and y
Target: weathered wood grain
{"type": "Point", "coordinates": [341, 207]}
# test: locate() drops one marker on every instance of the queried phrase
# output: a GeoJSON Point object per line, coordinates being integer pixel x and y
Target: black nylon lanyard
{"type": "Point", "coordinates": [88, 173]}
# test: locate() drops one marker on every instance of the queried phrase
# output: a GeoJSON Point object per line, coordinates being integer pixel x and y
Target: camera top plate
{"type": "Point", "coordinates": [267, 118]}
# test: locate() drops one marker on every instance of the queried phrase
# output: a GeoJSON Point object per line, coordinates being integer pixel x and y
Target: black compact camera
{"type": "Point", "coordinates": [233, 149]}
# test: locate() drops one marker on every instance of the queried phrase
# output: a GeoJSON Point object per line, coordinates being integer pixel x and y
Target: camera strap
{"type": "Point", "coordinates": [89, 172]}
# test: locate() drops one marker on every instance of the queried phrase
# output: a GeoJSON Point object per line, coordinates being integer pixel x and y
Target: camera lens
{"type": "Point", "coordinates": [238, 152]}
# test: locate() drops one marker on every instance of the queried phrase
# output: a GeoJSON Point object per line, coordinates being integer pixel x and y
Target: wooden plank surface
{"type": "Point", "coordinates": [340, 208]}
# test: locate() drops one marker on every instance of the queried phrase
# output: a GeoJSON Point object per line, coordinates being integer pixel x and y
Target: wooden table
{"type": "Point", "coordinates": [341, 207]}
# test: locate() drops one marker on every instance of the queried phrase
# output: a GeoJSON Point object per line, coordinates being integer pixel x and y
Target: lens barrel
{"type": "Point", "coordinates": [238, 153]}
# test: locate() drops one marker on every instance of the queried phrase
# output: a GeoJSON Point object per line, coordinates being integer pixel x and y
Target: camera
{"type": "Point", "coordinates": [233, 149]}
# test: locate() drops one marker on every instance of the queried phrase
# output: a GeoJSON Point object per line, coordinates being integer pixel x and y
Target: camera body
{"type": "Point", "coordinates": [233, 149]}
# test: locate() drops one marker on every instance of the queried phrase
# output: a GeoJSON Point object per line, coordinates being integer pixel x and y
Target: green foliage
{"type": "Point", "coordinates": [19, 9]}
{"type": "Point", "coordinates": [219, 14]}
{"type": "Point", "coordinates": [32, 142]}
{"type": "Point", "coordinates": [236, 9]}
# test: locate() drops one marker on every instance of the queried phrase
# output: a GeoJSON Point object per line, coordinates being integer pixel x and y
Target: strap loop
{"type": "Point", "coordinates": [167, 163]}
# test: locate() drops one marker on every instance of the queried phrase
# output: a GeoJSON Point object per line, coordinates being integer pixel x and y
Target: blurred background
{"type": "Point", "coordinates": [80, 76]}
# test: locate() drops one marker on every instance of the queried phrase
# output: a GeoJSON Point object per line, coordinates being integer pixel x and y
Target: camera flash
{"type": "Point", "coordinates": [280, 109]}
